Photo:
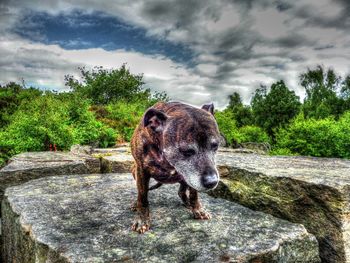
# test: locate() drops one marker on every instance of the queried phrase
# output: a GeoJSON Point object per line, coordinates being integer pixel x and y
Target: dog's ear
{"type": "Point", "coordinates": [155, 119]}
{"type": "Point", "coordinates": [209, 108]}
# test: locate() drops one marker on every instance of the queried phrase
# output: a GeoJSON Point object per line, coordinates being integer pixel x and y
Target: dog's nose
{"type": "Point", "coordinates": [210, 182]}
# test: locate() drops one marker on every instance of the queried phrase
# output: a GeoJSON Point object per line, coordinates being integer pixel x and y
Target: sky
{"type": "Point", "coordinates": [196, 51]}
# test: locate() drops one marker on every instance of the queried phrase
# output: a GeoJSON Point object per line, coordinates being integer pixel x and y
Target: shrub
{"type": "Point", "coordinates": [281, 151]}
{"type": "Point", "coordinates": [252, 134]}
{"type": "Point", "coordinates": [86, 129]}
{"type": "Point", "coordinates": [227, 126]}
{"type": "Point", "coordinates": [37, 124]}
{"type": "Point", "coordinates": [53, 119]}
{"type": "Point", "coordinates": [322, 138]}
{"type": "Point", "coordinates": [124, 117]}
{"type": "Point", "coordinates": [343, 147]}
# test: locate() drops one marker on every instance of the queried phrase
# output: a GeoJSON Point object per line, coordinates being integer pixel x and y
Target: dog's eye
{"type": "Point", "coordinates": [188, 152]}
{"type": "Point", "coordinates": [214, 146]}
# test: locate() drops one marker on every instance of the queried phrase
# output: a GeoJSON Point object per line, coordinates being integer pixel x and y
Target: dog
{"type": "Point", "coordinates": [175, 143]}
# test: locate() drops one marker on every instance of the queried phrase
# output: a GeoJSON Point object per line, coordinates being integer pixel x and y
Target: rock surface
{"type": "Point", "coordinates": [86, 218]}
{"type": "Point", "coordinates": [116, 163]}
{"type": "Point", "coordinates": [310, 191]}
{"type": "Point", "coordinates": [31, 165]}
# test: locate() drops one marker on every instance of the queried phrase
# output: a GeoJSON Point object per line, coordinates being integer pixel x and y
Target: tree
{"type": "Point", "coordinates": [321, 88]}
{"type": "Point", "coordinates": [274, 108]}
{"type": "Point", "coordinates": [103, 86]}
{"type": "Point", "coordinates": [241, 113]}
{"type": "Point", "coordinates": [345, 93]}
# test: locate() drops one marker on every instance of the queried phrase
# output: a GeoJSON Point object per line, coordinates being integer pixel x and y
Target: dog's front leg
{"type": "Point", "coordinates": [196, 207]}
{"type": "Point", "coordinates": [142, 219]}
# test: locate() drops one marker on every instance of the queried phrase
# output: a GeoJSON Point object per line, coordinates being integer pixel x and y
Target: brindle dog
{"type": "Point", "coordinates": [175, 143]}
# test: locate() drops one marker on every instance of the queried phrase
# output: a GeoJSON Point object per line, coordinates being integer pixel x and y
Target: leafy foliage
{"type": "Point", "coordinates": [252, 134]}
{"type": "Point", "coordinates": [321, 88]}
{"type": "Point", "coordinates": [234, 135]}
{"type": "Point", "coordinates": [241, 113]}
{"type": "Point", "coordinates": [53, 120]}
{"type": "Point", "coordinates": [227, 126]}
{"type": "Point", "coordinates": [104, 106]}
{"type": "Point", "coordinates": [103, 86]}
{"type": "Point", "coordinates": [11, 96]}
{"type": "Point", "coordinates": [122, 116]}
{"type": "Point", "coordinates": [274, 108]}
{"type": "Point", "coordinates": [326, 137]}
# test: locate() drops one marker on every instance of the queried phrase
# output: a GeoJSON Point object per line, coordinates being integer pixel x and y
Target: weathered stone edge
{"type": "Point", "coordinates": [27, 249]}
{"type": "Point", "coordinates": [228, 174]}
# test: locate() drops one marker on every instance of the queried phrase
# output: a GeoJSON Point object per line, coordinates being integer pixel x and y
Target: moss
{"type": "Point", "coordinates": [319, 208]}
{"type": "Point", "coordinates": [101, 155]}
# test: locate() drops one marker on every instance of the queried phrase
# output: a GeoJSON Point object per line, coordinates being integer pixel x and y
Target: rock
{"type": "Point", "coordinates": [79, 149]}
{"type": "Point", "coordinates": [119, 160]}
{"type": "Point", "coordinates": [117, 163]}
{"type": "Point", "coordinates": [111, 150]}
{"type": "Point", "coordinates": [310, 191]}
{"type": "Point", "coordinates": [240, 150]}
{"type": "Point", "coordinates": [114, 160]}
{"type": "Point", "coordinates": [86, 218]}
{"type": "Point", "coordinates": [263, 147]}
{"type": "Point", "coordinates": [27, 166]}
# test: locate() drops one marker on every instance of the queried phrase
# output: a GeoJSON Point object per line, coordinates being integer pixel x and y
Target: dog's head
{"type": "Point", "coordinates": [190, 140]}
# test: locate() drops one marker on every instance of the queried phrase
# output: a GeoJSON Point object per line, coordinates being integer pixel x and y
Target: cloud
{"type": "Point", "coordinates": [201, 50]}
{"type": "Point", "coordinates": [46, 66]}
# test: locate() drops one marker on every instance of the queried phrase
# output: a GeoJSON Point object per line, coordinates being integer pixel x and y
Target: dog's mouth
{"type": "Point", "coordinates": [198, 184]}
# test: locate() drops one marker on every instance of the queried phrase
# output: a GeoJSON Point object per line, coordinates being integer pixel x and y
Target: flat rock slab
{"type": "Point", "coordinates": [123, 149]}
{"type": "Point", "coordinates": [86, 218]}
{"type": "Point", "coordinates": [120, 162]}
{"type": "Point", "coordinates": [306, 190]}
{"type": "Point", "coordinates": [31, 165]}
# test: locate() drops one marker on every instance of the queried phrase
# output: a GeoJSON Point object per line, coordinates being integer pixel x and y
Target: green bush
{"type": "Point", "coordinates": [37, 124]}
{"type": "Point", "coordinates": [227, 126]}
{"type": "Point", "coordinates": [53, 119]}
{"type": "Point", "coordinates": [11, 96]}
{"type": "Point", "coordinates": [125, 116]}
{"type": "Point", "coordinates": [86, 129]}
{"type": "Point", "coordinates": [252, 134]}
{"type": "Point", "coordinates": [343, 147]}
{"type": "Point", "coordinates": [322, 138]}
{"type": "Point", "coordinates": [281, 151]}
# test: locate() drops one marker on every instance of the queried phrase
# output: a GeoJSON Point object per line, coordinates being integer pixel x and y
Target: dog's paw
{"type": "Point", "coordinates": [140, 225]}
{"type": "Point", "coordinates": [201, 214]}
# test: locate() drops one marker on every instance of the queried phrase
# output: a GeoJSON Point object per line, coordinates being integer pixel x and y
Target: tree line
{"type": "Point", "coordinates": [318, 126]}
{"type": "Point", "coordinates": [103, 107]}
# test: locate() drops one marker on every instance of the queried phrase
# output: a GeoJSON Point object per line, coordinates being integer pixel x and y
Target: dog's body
{"type": "Point", "coordinates": [175, 143]}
